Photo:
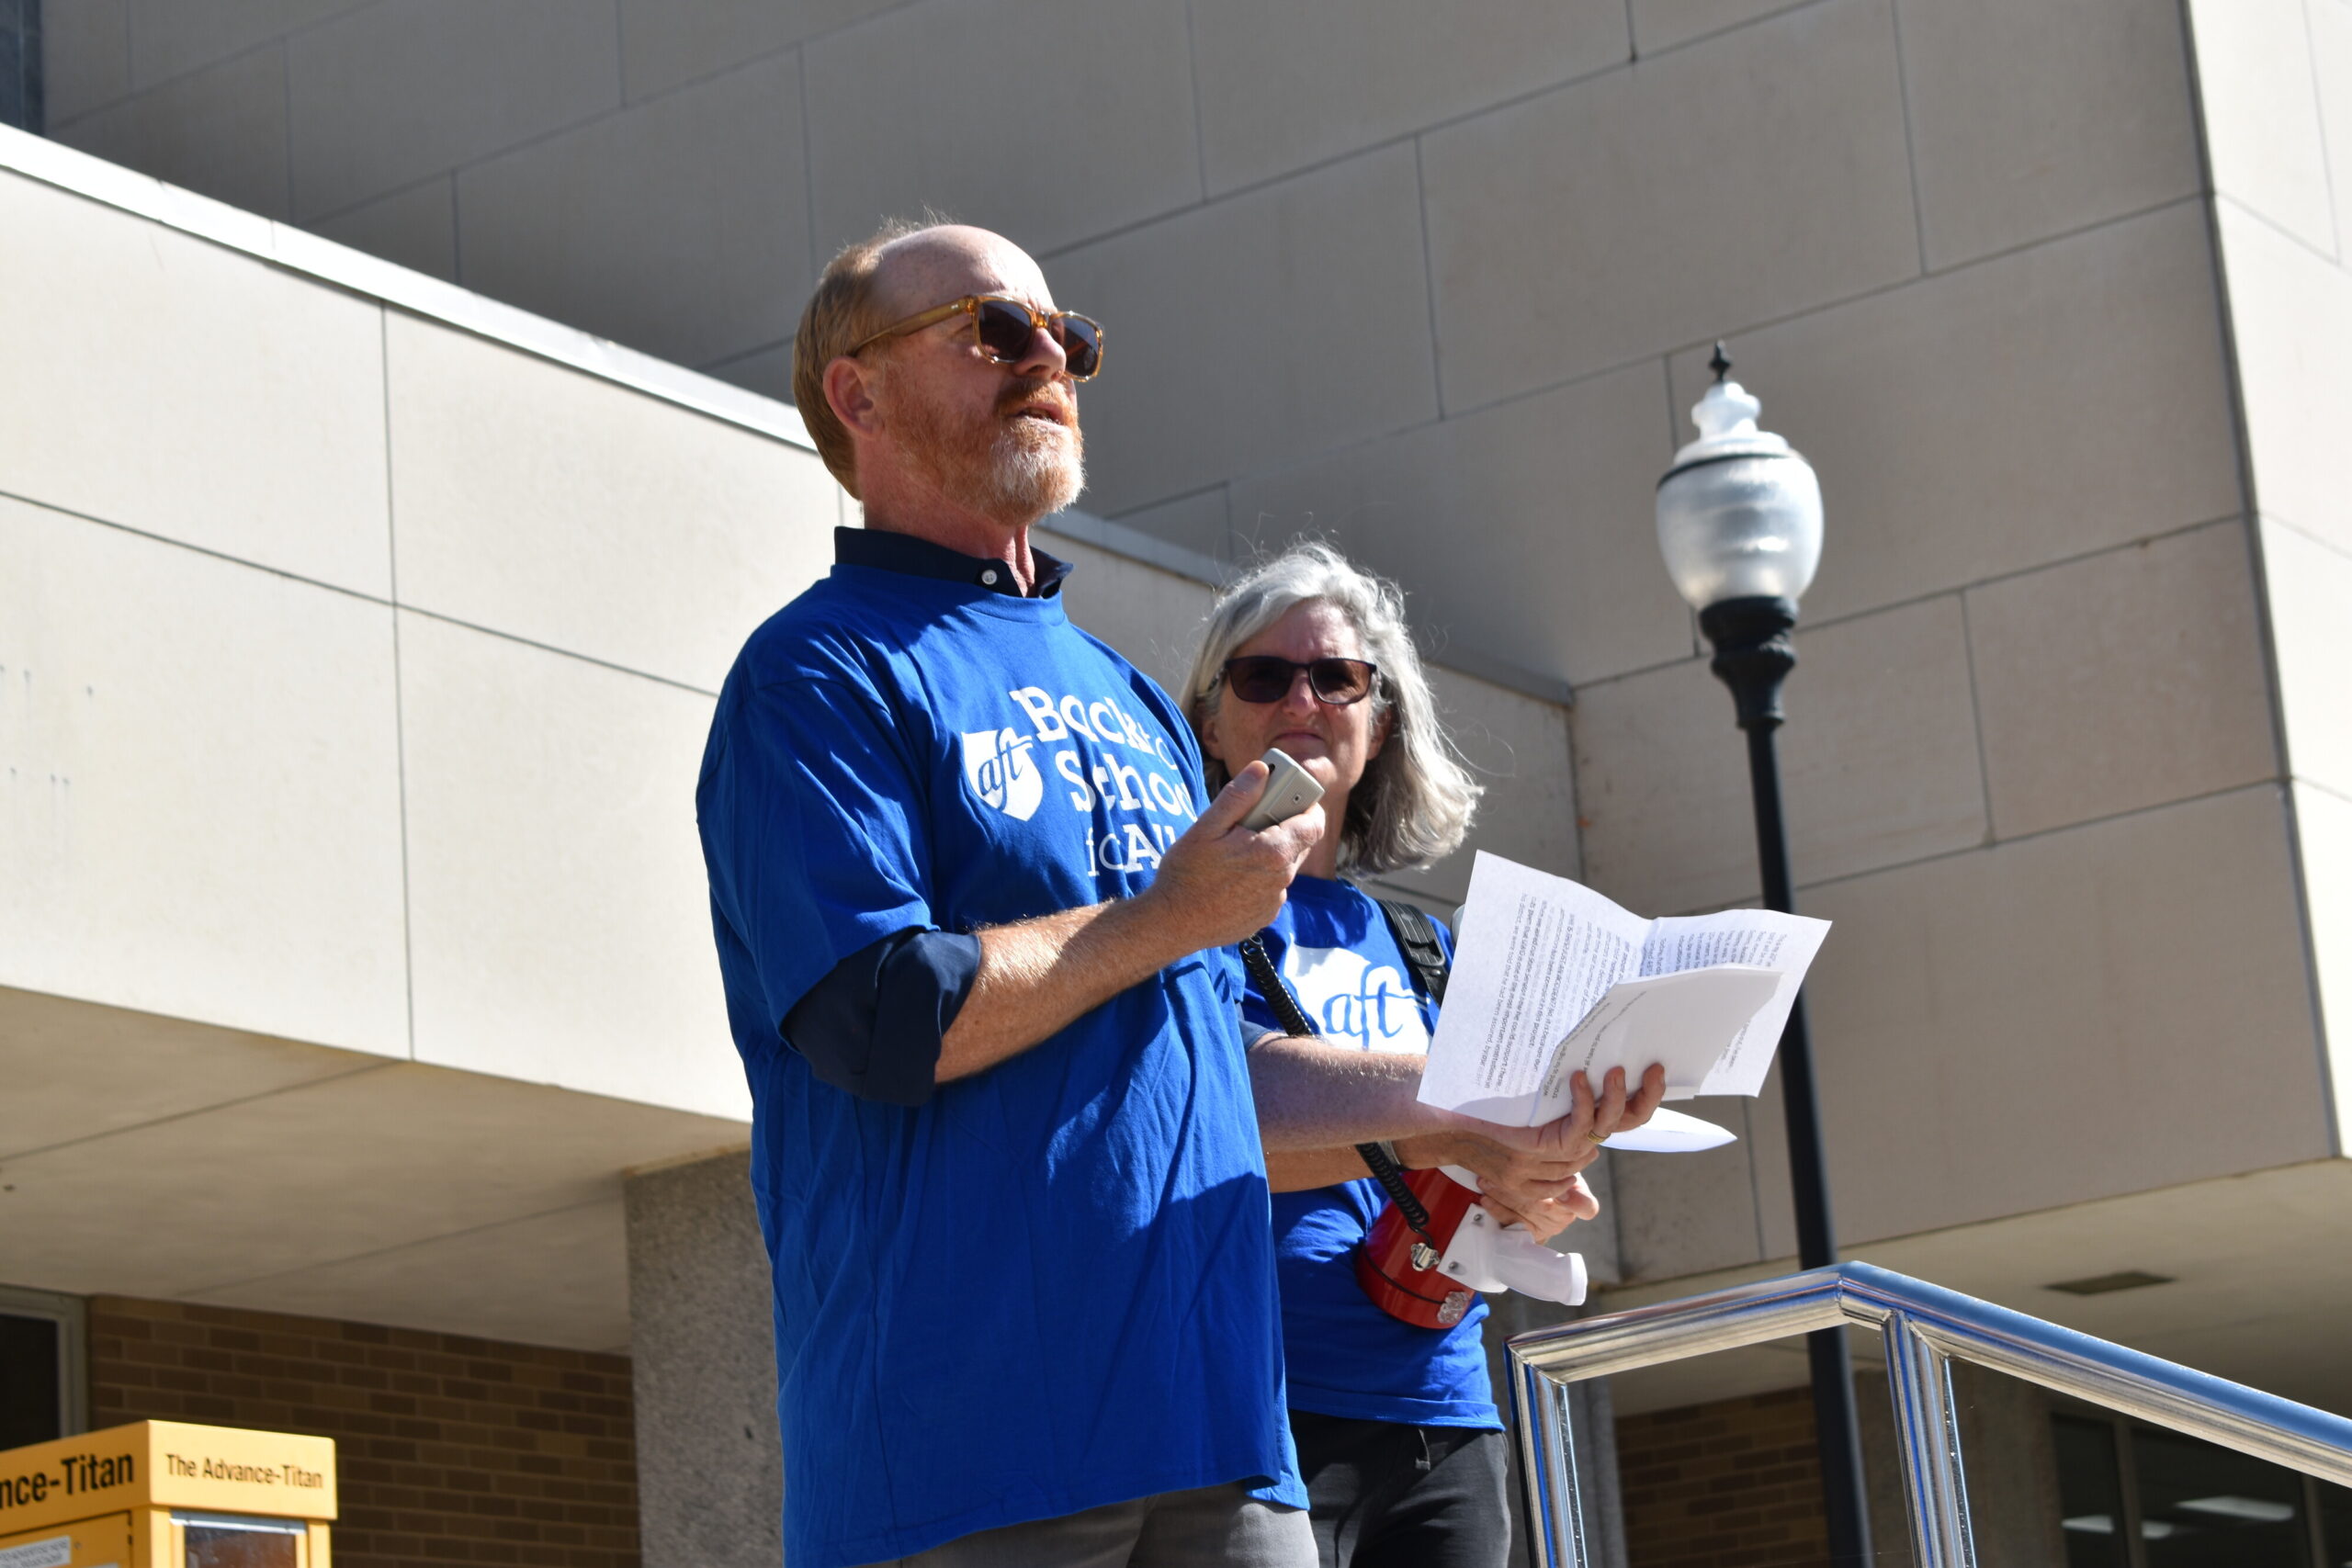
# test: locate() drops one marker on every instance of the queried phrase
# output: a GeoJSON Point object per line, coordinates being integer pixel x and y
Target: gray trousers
{"type": "Point", "coordinates": [1210, 1527]}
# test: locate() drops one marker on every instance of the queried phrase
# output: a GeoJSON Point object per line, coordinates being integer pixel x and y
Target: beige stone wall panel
{"type": "Point", "coordinates": [1679, 1214]}
{"type": "Point", "coordinates": [2012, 413]}
{"type": "Point", "coordinates": [2113, 1008]}
{"type": "Point", "coordinates": [202, 787]}
{"type": "Point", "coordinates": [559, 925]}
{"type": "Point", "coordinates": [1879, 761]}
{"type": "Point", "coordinates": [1527, 531]}
{"type": "Point", "coordinates": [679, 226]}
{"type": "Point", "coordinates": [169, 386]}
{"type": "Point", "coordinates": [220, 131]}
{"type": "Point", "coordinates": [2293, 314]}
{"type": "Point", "coordinates": [390, 94]}
{"type": "Point", "coordinates": [1517, 748]}
{"type": "Point", "coordinates": [1046, 120]}
{"type": "Point", "coordinates": [1202, 523]}
{"type": "Point", "coordinates": [2263, 131]}
{"type": "Point", "coordinates": [1152, 617]}
{"type": "Point", "coordinates": [1760, 174]}
{"type": "Point", "coordinates": [767, 371]}
{"type": "Point", "coordinates": [416, 228]}
{"type": "Point", "coordinates": [86, 56]}
{"type": "Point", "coordinates": [2309, 587]}
{"type": "Point", "coordinates": [170, 38]}
{"type": "Point", "coordinates": [559, 508]}
{"type": "Point", "coordinates": [2121, 681]}
{"type": "Point", "coordinates": [2030, 120]}
{"type": "Point", "coordinates": [1768, 1136]}
{"type": "Point", "coordinates": [667, 43]}
{"type": "Point", "coordinates": [1664, 780]}
{"type": "Point", "coordinates": [1666, 24]}
{"type": "Point", "coordinates": [2324, 829]}
{"type": "Point", "coordinates": [1284, 87]}
{"type": "Point", "coordinates": [1254, 330]}
{"type": "Point", "coordinates": [2331, 25]}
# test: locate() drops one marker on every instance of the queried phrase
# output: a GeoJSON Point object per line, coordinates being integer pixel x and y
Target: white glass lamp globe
{"type": "Point", "coordinates": [1739, 513]}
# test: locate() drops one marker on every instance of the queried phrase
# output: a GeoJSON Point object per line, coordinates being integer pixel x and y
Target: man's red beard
{"type": "Point", "coordinates": [1015, 467]}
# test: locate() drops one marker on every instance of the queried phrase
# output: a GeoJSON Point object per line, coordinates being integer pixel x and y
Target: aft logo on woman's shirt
{"type": "Point", "coordinates": [1351, 998]}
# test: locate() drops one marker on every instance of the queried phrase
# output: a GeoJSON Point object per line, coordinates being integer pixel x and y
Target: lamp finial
{"type": "Point", "coordinates": [1721, 363]}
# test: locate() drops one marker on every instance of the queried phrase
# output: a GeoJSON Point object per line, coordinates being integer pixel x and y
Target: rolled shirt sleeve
{"type": "Point", "coordinates": [873, 1025]}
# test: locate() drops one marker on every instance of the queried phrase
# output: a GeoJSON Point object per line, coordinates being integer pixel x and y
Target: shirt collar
{"type": "Point", "coordinates": [920, 558]}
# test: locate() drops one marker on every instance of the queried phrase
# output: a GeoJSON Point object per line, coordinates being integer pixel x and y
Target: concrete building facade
{"type": "Point", "coordinates": [2054, 297]}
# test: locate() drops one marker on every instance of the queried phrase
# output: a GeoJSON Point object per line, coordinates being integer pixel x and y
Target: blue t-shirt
{"type": "Point", "coordinates": [1346, 1356]}
{"type": "Point", "coordinates": [1051, 1286]}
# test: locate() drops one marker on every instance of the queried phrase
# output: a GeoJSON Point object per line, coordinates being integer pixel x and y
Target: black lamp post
{"type": "Point", "coordinates": [1739, 522]}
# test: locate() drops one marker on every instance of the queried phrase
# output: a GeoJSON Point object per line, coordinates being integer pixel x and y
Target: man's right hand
{"type": "Point", "coordinates": [1220, 883]}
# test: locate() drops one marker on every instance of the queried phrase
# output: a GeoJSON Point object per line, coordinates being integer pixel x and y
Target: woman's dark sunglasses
{"type": "Point", "coordinates": [1004, 326]}
{"type": "Point", "coordinates": [1263, 678]}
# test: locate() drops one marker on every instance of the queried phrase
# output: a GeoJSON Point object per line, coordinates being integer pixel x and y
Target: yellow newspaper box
{"type": "Point", "coordinates": [162, 1494]}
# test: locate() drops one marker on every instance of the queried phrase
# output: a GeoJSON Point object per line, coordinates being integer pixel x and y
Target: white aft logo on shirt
{"type": "Point", "coordinates": [1001, 768]}
{"type": "Point", "coordinates": [1097, 758]}
{"type": "Point", "coordinates": [1354, 1001]}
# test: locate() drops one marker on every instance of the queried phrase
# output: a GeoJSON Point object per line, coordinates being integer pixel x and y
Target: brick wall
{"type": "Point", "coordinates": [1730, 1485]}
{"type": "Point", "coordinates": [451, 1450]}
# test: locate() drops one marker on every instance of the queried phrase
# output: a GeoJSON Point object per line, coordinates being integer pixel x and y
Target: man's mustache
{"type": "Point", "coordinates": [1048, 397]}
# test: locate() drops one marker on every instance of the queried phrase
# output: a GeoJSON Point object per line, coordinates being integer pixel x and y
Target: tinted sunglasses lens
{"type": "Point", "coordinates": [1259, 679]}
{"type": "Point", "coordinates": [1341, 680]}
{"type": "Point", "coordinates": [1081, 343]}
{"type": "Point", "coordinates": [1005, 329]}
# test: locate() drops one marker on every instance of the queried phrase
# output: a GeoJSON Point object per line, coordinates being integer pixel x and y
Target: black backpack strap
{"type": "Point", "coordinates": [1416, 939]}
{"type": "Point", "coordinates": [1295, 1022]}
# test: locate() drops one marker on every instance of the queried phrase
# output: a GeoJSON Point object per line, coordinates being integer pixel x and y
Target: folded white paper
{"type": "Point", "coordinates": [1550, 978]}
{"type": "Point", "coordinates": [1673, 1132]}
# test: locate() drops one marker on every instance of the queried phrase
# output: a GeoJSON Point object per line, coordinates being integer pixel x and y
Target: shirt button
{"type": "Point", "coordinates": [988, 577]}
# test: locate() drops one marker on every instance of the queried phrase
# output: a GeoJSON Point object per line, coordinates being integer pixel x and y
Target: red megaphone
{"type": "Point", "coordinates": [1429, 1274]}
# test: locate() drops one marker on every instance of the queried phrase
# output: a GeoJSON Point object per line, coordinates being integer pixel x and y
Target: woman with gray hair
{"type": "Point", "coordinates": [1399, 1438]}
{"type": "Point", "coordinates": [1411, 805]}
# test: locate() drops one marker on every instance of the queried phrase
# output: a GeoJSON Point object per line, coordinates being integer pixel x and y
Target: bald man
{"type": "Point", "coordinates": [975, 916]}
{"type": "Point", "coordinates": [970, 901]}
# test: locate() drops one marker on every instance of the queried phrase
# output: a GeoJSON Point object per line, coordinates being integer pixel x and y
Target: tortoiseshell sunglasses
{"type": "Point", "coordinates": [1003, 327]}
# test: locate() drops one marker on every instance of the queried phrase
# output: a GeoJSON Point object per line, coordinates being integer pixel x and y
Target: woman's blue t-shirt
{"type": "Point", "coordinates": [1051, 1286]}
{"type": "Point", "coordinates": [1344, 1356]}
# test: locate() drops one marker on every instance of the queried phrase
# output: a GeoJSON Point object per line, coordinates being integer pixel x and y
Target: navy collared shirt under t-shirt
{"type": "Point", "coordinates": [1051, 1285]}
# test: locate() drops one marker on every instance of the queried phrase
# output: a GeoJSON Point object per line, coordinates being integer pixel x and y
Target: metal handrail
{"type": "Point", "coordinates": [1925, 1326]}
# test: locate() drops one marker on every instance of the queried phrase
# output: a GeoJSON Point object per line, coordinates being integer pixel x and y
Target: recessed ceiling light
{"type": "Point", "coordinates": [2104, 1284]}
{"type": "Point", "coordinates": [2257, 1510]}
{"type": "Point", "coordinates": [2090, 1524]}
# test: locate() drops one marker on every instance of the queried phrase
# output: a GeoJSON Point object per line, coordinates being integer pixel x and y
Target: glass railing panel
{"type": "Point", "coordinates": [1716, 1462]}
{"type": "Point", "coordinates": [2201, 1506]}
{"type": "Point", "coordinates": [2094, 1526]}
{"type": "Point", "coordinates": [2333, 1507]}
{"type": "Point", "coordinates": [2134, 1495]}
{"type": "Point", "coordinates": [2019, 1443]}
